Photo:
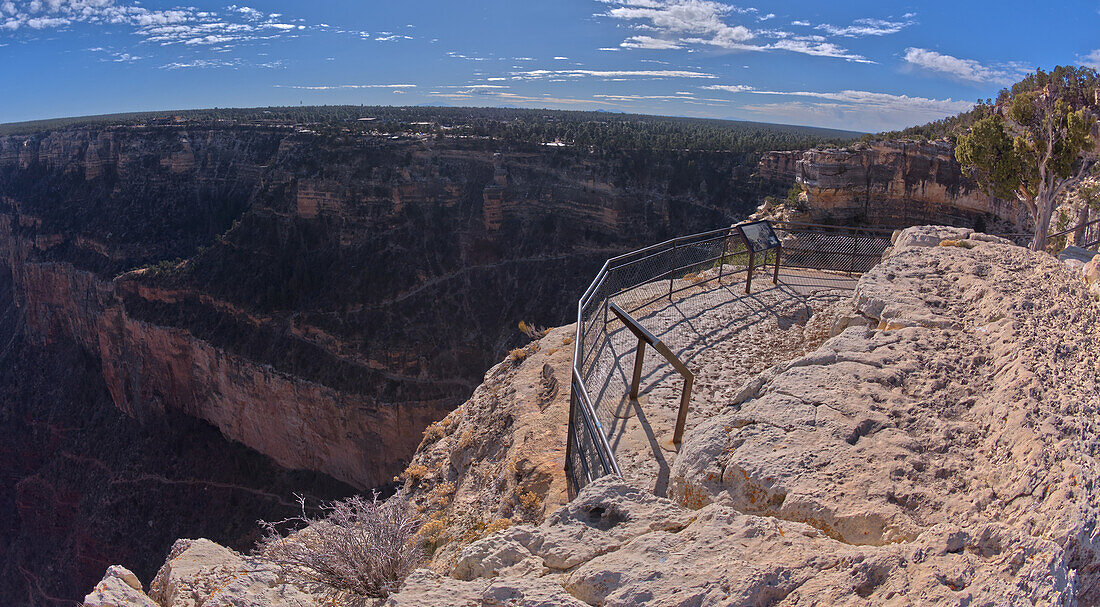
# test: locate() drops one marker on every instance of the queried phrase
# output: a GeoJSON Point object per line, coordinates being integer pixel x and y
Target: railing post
{"type": "Point", "coordinates": [672, 270]}
{"type": "Point", "coordinates": [570, 429]}
{"type": "Point", "coordinates": [778, 252]}
{"type": "Point", "coordinates": [681, 417]}
{"type": "Point", "coordinates": [722, 258]}
{"type": "Point", "coordinates": [639, 358]}
{"type": "Point", "coordinates": [748, 275]}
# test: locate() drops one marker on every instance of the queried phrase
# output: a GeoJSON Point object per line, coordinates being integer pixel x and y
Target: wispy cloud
{"type": "Point", "coordinates": [729, 88]}
{"type": "Point", "coordinates": [1091, 60]}
{"type": "Point", "coordinates": [182, 25]}
{"type": "Point", "coordinates": [967, 70]}
{"type": "Point", "coordinates": [336, 87]}
{"type": "Point", "coordinates": [221, 63]}
{"type": "Point", "coordinates": [544, 74]}
{"type": "Point", "coordinates": [649, 42]}
{"type": "Point", "coordinates": [115, 56]}
{"type": "Point", "coordinates": [867, 27]}
{"type": "Point", "coordinates": [869, 110]}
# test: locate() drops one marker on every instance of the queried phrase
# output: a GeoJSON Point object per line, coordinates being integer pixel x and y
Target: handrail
{"type": "Point", "coordinates": [1073, 229]}
{"type": "Point", "coordinates": [589, 452]}
{"type": "Point", "coordinates": [645, 337]}
{"type": "Point", "coordinates": [872, 229]}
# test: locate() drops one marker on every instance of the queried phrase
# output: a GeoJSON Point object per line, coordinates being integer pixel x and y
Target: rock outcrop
{"type": "Point", "coordinates": [497, 460]}
{"type": "Point", "coordinates": [892, 183]}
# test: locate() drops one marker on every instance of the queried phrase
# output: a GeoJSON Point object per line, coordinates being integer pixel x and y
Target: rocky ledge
{"type": "Point", "coordinates": [939, 449]}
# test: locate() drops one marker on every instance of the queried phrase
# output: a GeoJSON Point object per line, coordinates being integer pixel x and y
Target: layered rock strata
{"type": "Point", "coordinates": [892, 183]}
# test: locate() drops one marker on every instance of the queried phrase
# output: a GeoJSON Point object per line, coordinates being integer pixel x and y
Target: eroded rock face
{"type": "Point", "coordinates": [891, 183]}
{"type": "Point", "coordinates": [498, 459]}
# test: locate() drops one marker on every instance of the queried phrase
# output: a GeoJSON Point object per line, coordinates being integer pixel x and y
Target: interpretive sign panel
{"type": "Point", "coordinates": [759, 236]}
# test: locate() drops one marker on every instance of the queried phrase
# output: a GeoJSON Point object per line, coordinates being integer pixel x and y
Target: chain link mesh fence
{"type": "Point", "coordinates": [648, 279]}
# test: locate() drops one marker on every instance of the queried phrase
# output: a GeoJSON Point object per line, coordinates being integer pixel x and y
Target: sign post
{"type": "Point", "coordinates": [759, 237]}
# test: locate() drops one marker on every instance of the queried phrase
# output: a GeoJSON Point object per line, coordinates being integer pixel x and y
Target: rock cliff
{"type": "Point", "coordinates": [891, 183]}
{"type": "Point", "coordinates": [940, 451]}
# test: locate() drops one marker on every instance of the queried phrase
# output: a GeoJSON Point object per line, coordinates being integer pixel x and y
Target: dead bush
{"type": "Point", "coordinates": [357, 549]}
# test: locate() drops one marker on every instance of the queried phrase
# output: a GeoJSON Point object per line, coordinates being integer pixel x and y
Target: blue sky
{"type": "Point", "coordinates": [860, 65]}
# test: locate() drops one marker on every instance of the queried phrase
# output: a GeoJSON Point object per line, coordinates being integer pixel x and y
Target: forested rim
{"type": "Point", "coordinates": [600, 130]}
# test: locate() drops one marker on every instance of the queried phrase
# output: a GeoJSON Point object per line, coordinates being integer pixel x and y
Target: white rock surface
{"type": "Point", "coordinates": [200, 573]}
{"type": "Point", "coordinates": [616, 546]}
{"type": "Point", "coordinates": [975, 403]}
{"type": "Point", "coordinates": [119, 588]}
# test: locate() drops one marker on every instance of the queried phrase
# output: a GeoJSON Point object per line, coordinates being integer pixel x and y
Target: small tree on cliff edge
{"type": "Point", "coordinates": [1035, 142]}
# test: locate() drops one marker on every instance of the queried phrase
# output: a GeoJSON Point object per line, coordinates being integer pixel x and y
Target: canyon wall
{"type": "Point", "coordinates": [320, 300]}
{"type": "Point", "coordinates": [891, 183]}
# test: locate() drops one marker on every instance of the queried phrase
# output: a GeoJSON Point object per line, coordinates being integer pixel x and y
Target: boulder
{"type": "Point", "coordinates": [201, 573]}
{"type": "Point", "coordinates": [119, 588]}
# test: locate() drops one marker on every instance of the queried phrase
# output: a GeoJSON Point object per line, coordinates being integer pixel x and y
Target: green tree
{"type": "Point", "coordinates": [1035, 143]}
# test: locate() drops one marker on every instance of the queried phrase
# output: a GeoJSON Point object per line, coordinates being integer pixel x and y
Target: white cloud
{"type": "Point", "coordinates": [866, 27]}
{"type": "Point", "coordinates": [1091, 60]}
{"type": "Point", "coordinates": [866, 110]}
{"type": "Point", "coordinates": [801, 23]}
{"type": "Point", "coordinates": [181, 25]}
{"type": "Point", "coordinates": [560, 58]}
{"type": "Point", "coordinates": [729, 88]}
{"type": "Point", "coordinates": [649, 42]}
{"type": "Point", "coordinates": [964, 69]}
{"type": "Point", "coordinates": [640, 97]}
{"type": "Point", "coordinates": [817, 48]}
{"type": "Point", "coordinates": [543, 74]}
{"type": "Point", "coordinates": [699, 18]}
{"type": "Point", "coordinates": [676, 24]}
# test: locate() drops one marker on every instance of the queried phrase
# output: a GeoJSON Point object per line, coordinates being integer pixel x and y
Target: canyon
{"type": "Point", "coordinates": [227, 315]}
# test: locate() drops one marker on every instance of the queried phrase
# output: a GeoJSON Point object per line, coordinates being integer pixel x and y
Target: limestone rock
{"type": "Point", "coordinates": [972, 404]}
{"type": "Point", "coordinates": [1091, 273]}
{"type": "Point", "coordinates": [890, 183]}
{"type": "Point", "coordinates": [425, 588]}
{"type": "Point", "coordinates": [656, 552]}
{"type": "Point", "coordinates": [200, 573]}
{"type": "Point", "coordinates": [119, 588]}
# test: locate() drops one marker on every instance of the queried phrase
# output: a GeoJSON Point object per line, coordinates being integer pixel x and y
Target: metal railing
{"type": "Point", "coordinates": [639, 280]}
{"type": "Point", "coordinates": [645, 337]}
{"type": "Point", "coordinates": [1083, 230]}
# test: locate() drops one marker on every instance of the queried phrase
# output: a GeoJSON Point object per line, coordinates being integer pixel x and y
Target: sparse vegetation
{"type": "Point", "coordinates": [361, 549]}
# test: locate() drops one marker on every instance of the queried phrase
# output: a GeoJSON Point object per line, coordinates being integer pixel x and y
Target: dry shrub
{"type": "Point", "coordinates": [532, 331]}
{"type": "Point", "coordinates": [360, 549]}
{"type": "Point", "coordinates": [518, 355]}
{"type": "Point", "coordinates": [415, 472]}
